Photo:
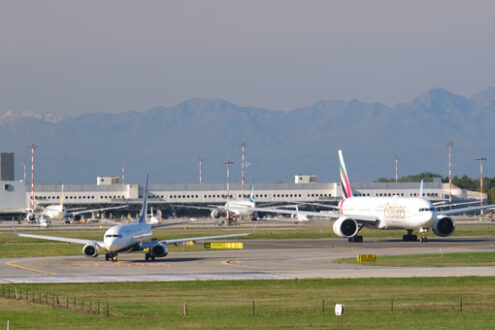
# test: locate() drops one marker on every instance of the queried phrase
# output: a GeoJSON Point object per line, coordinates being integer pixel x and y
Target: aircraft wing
{"type": "Point", "coordinates": [332, 215]}
{"type": "Point", "coordinates": [61, 239]}
{"type": "Point", "coordinates": [182, 240]}
{"type": "Point", "coordinates": [73, 213]}
{"type": "Point", "coordinates": [465, 209]}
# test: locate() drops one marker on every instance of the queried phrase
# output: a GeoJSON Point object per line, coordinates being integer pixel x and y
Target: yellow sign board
{"type": "Point", "coordinates": [366, 257]}
{"type": "Point", "coordinates": [224, 245]}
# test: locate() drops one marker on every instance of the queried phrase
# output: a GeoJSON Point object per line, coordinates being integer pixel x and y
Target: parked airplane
{"type": "Point", "coordinates": [56, 212]}
{"type": "Point", "coordinates": [238, 208]}
{"type": "Point", "coordinates": [128, 238]}
{"type": "Point", "coordinates": [355, 213]}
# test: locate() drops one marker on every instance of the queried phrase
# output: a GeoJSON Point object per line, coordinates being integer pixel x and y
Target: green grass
{"type": "Point", "coordinates": [417, 303]}
{"type": "Point", "coordinates": [467, 259]}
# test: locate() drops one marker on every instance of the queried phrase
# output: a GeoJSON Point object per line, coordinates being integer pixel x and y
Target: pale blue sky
{"type": "Point", "coordinates": [72, 57]}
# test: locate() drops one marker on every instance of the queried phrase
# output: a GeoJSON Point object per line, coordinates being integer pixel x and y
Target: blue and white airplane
{"type": "Point", "coordinates": [129, 238]}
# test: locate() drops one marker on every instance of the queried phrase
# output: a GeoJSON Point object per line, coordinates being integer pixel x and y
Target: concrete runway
{"type": "Point", "coordinates": [260, 259]}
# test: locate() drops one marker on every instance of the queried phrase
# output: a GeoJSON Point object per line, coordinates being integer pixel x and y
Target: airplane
{"type": "Point", "coordinates": [132, 237]}
{"type": "Point", "coordinates": [56, 212]}
{"type": "Point", "coordinates": [238, 208]}
{"type": "Point", "coordinates": [385, 213]}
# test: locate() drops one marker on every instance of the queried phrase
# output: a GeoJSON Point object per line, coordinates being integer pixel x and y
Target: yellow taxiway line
{"type": "Point", "coordinates": [9, 263]}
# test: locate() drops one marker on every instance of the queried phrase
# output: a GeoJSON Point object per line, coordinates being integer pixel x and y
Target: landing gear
{"type": "Point", "coordinates": [356, 239]}
{"type": "Point", "coordinates": [149, 256]}
{"type": "Point", "coordinates": [410, 237]}
{"type": "Point", "coordinates": [111, 256]}
{"type": "Point", "coordinates": [423, 238]}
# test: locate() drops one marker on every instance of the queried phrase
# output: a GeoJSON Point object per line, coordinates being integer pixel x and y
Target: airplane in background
{"type": "Point", "coordinates": [56, 212]}
{"type": "Point", "coordinates": [128, 238]}
{"type": "Point", "coordinates": [238, 208]}
{"type": "Point", "coordinates": [408, 213]}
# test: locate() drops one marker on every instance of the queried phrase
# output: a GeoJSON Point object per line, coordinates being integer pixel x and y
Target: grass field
{"type": "Point", "coordinates": [467, 259]}
{"type": "Point", "coordinates": [369, 303]}
{"type": "Point", "coordinates": [14, 246]}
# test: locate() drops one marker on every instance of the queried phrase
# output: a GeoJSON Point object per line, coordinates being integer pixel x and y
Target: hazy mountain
{"type": "Point", "coordinates": [167, 141]}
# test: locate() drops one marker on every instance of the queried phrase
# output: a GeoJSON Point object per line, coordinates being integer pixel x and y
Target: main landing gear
{"type": "Point", "coordinates": [149, 256]}
{"type": "Point", "coordinates": [111, 256]}
{"type": "Point", "coordinates": [410, 237]}
{"type": "Point", "coordinates": [356, 239]}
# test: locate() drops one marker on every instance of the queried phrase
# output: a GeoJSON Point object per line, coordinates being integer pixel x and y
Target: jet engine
{"type": "Point", "coordinates": [215, 214]}
{"type": "Point", "coordinates": [31, 217]}
{"type": "Point", "coordinates": [345, 227]}
{"type": "Point", "coordinates": [90, 250]}
{"type": "Point", "coordinates": [159, 250]}
{"type": "Point", "coordinates": [443, 227]}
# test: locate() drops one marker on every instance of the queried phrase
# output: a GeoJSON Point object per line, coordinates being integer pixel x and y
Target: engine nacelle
{"type": "Point", "coordinates": [31, 217]}
{"type": "Point", "coordinates": [345, 227]}
{"type": "Point", "coordinates": [443, 227]}
{"type": "Point", "coordinates": [90, 250]}
{"type": "Point", "coordinates": [215, 214]}
{"type": "Point", "coordinates": [159, 250]}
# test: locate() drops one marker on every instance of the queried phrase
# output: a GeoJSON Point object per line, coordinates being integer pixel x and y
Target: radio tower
{"type": "Point", "coordinates": [228, 163]}
{"type": "Point", "coordinates": [200, 159]}
{"type": "Point", "coordinates": [33, 147]}
{"type": "Point", "coordinates": [243, 167]}
{"type": "Point", "coordinates": [396, 167]}
{"type": "Point", "coordinates": [450, 144]}
{"type": "Point", "coordinates": [123, 173]}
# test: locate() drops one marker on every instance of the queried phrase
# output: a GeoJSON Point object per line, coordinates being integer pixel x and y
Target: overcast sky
{"type": "Point", "coordinates": [72, 57]}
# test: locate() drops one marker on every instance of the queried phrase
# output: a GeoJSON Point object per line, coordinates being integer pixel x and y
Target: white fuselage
{"type": "Point", "coordinates": [392, 212]}
{"type": "Point", "coordinates": [54, 212]}
{"type": "Point", "coordinates": [240, 207]}
{"type": "Point", "coordinates": [121, 238]}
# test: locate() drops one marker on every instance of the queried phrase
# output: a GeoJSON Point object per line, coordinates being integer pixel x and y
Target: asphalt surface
{"type": "Point", "coordinates": [260, 259]}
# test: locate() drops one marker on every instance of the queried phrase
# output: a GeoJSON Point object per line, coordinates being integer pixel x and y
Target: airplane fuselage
{"type": "Point", "coordinates": [392, 212]}
{"type": "Point", "coordinates": [122, 238]}
{"type": "Point", "coordinates": [240, 208]}
{"type": "Point", "coordinates": [54, 212]}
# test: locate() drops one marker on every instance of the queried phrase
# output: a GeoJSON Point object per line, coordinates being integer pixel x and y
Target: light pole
{"type": "Point", "coordinates": [396, 168]}
{"type": "Point", "coordinates": [228, 163]}
{"type": "Point", "coordinates": [33, 147]}
{"type": "Point", "coordinates": [450, 144]}
{"type": "Point", "coordinates": [481, 159]}
{"type": "Point", "coordinates": [200, 159]}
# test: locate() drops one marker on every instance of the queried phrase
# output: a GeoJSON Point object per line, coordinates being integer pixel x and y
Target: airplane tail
{"type": "Point", "coordinates": [346, 185]}
{"type": "Point", "coordinates": [251, 197]}
{"type": "Point", "coordinates": [421, 189]}
{"type": "Point", "coordinates": [62, 197]}
{"type": "Point", "coordinates": [145, 197]}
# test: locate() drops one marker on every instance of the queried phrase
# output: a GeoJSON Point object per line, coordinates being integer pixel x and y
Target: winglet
{"type": "Point", "coordinates": [346, 185]}
{"type": "Point", "coordinates": [145, 197]}
{"type": "Point", "coordinates": [421, 189]}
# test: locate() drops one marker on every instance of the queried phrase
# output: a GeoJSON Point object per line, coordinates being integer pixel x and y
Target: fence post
{"type": "Point", "coordinates": [108, 309]}
{"type": "Point", "coordinates": [323, 306]}
{"type": "Point", "coordinates": [15, 292]}
{"type": "Point", "coordinates": [460, 304]}
{"type": "Point", "coordinates": [74, 304]}
{"type": "Point", "coordinates": [8, 324]}
{"type": "Point", "coordinates": [82, 304]}
{"type": "Point", "coordinates": [185, 309]}
{"type": "Point", "coordinates": [392, 305]}
{"type": "Point", "coordinates": [39, 298]}
{"type": "Point", "coordinates": [253, 307]}
{"type": "Point", "coordinates": [33, 296]}
{"type": "Point", "coordinates": [98, 308]}
{"type": "Point", "coordinates": [67, 303]}
{"type": "Point", "coordinates": [27, 295]}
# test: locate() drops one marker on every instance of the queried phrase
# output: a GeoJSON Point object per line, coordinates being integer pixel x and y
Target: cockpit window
{"type": "Point", "coordinates": [111, 235]}
{"type": "Point", "coordinates": [425, 209]}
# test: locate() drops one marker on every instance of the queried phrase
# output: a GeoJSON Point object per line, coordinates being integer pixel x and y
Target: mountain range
{"type": "Point", "coordinates": [167, 141]}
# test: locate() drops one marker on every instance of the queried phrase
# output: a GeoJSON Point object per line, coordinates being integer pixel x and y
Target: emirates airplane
{"type": "Point", "coordinates": [128, 238]}
{"type": "Point", "coordinates": [355, 213]}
